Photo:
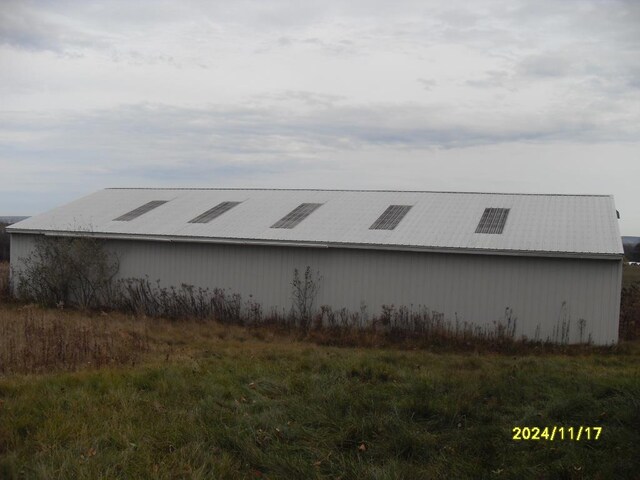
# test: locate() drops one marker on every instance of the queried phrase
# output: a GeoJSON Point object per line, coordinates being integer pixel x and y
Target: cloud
{"type": "Point", "coordinates": [24, 26]}
{"type": "Point", "coordinates": [550, 65]}
{"type": "Point", "coordinates": [274, 135]}
{"type": "Point", "coordinates": [493, 79]}
{"type": "Point", "coordinates": [427, 83]}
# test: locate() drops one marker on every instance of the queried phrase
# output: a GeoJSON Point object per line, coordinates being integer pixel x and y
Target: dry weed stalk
{"type": "Point", "coordinates": [34, 340]}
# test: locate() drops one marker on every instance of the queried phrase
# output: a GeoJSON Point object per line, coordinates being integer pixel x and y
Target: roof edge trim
{"type": "Point", "coordinates": [294, 243]}
{"type": "Point", "coordinates": [364, 190]}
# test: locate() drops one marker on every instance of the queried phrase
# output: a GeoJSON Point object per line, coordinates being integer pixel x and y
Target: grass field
{"type": "Point", "coordinates": [630, 274]}
{"type": "Point", "coordinates": [201, 400]}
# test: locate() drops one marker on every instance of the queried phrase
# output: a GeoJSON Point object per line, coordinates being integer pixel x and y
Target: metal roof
{"type": "Point", "coordinates": [556, 225]}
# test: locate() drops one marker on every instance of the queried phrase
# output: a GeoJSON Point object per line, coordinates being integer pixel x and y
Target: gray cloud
{"type": "Point", "coordinates": [549, 65]}
{"type": "Point", "coordinates": [428, 83]}
{"type": "Point", "coordinates": [338, 46]}
{"type": "Point", "coordinates": [159, 134]}
{"type": "Point", "coordinates": [493, 79]}
{"type": "Point", "coordinates": [24, 26]}
{"type": "Point", "coordinates": [310, 99]}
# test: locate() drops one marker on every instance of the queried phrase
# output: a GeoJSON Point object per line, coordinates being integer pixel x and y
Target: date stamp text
{"type": "Point", "coordinates": [556, 433]}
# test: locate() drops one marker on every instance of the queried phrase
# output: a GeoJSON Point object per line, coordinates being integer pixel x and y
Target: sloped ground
{"type": "Point", "coordinates": [201, 400]}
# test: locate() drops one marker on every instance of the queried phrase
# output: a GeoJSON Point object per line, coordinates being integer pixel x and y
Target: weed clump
{"type": "Point", "coordinates": [68, 271]}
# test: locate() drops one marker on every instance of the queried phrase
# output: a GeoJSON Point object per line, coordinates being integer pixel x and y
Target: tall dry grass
{"type": "Point", "coordinates": [34, 340]}
{"type": "Point", "coordinates": [4, 280]}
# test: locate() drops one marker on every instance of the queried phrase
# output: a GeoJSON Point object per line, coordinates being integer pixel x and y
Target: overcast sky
{"type": "Point", "coordinates": [529, 96]}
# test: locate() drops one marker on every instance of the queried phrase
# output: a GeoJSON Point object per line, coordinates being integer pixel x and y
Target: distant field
{"type": "Point", "coordinates": [630, 274]}
{"type": "Point", "coordinates": [201, 400]}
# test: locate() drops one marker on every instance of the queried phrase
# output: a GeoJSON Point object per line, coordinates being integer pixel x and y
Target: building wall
{"type": "Point", "coordinates": [472, 288]}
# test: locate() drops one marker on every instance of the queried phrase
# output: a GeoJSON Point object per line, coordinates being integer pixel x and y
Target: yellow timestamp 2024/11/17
{"type": "Point", "coordinates": [555, 433]}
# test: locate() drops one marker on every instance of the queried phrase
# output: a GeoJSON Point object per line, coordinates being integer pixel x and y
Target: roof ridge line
{"type": "Point", "coordinates": [361, 190]}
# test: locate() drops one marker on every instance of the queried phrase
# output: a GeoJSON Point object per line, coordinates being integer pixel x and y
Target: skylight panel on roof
{"type": "Point", "coordinates": [214, 212]}
{"type": "Point", "coordinates": [493, 220]}
{"type": "Point", "coordinates": [296, 215]}
{"type": "Point", "coordinates": [391, 217]}
{"type": "Point", "coordinates": [141, 210]}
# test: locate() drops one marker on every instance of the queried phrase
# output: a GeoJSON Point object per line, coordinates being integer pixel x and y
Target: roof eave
{"type": "Point", "coordinates": [312, 244]}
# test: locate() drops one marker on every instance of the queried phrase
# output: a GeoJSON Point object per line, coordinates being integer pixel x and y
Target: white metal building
{"type": "Point", "coordinates": [469, 256]}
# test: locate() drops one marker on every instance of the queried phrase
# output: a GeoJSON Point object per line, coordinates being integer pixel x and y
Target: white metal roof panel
{"type": "Point", "coordinates": [558, 224]}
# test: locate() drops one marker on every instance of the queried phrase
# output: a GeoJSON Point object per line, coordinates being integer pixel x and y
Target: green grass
{"type": "Point", "coordinates": [224, 402]}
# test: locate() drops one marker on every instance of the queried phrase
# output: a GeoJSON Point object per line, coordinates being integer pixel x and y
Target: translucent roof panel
{"type": "Point", "coordinates": [493, 220]}
{"type": "Point", "coordinates": [391, 217]}
{"type": "Point", "coordinates": [141, 210]}
{"type": "Point", "coordinates": [214, 212]}
{"type": "Point", "coordinates": [295, 216]}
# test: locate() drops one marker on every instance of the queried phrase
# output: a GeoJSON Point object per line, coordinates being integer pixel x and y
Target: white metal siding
{"type": "Point", "coordinates": [471, 288]}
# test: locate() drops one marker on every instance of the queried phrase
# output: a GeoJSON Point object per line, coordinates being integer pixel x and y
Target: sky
{"type": "Point", "coordinates": [525, 96]}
